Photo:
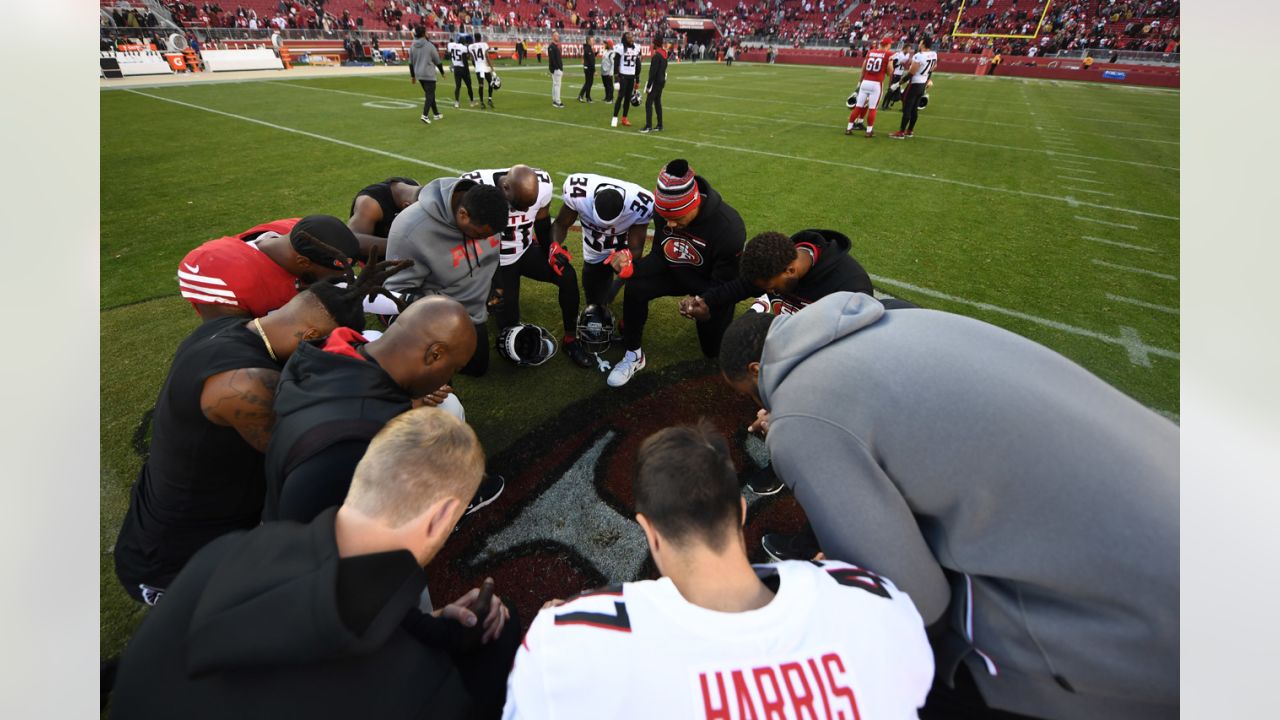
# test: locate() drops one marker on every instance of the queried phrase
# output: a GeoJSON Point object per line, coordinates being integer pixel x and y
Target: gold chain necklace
{"type": "Point", "coordinates": [258, 324]}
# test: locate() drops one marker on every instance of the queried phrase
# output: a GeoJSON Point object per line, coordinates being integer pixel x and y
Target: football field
{"type": "Point", "coordinates": [1048, 208]}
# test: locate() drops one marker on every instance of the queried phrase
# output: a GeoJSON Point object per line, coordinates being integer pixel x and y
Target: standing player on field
{"type": "Point", "coordinates": [529, 191]}
{"type": "Point", "coordinates": [479, 50]}
{"type": "Point", "coordinates": [627, 70]}
{"type": "Point", "coordinates": [717, 637]}
{"type": "Point", "coordinates": [458, 59]}
{"type": "Point", "coordinates": [615, 217]}
{"type": "Point", "coordinates": [901, 60]}
{"type": "Point", "coordinates": [878, 62]}
{"type": "Point", "coordinates": [919, 74]}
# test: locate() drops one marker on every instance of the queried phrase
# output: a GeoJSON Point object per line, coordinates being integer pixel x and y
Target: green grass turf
{"type": "Point", "coordinates": [972, 216]}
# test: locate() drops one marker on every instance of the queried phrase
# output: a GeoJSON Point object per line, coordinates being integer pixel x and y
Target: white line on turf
{"type": "Point", "coordinates": [1147, 305]}
{"type": "Point", "coordinates": [1083, 180]}
{"type": "Point", "coordinates": [644, 157]}
{"type": "Point", "coordinates": [1092, 192]}
{"type": "Point", "coordinates": [1107, 222]}
{"type": "Point", "coordinates": [620, 167]}
{"type": "Point", "coordinates": [1131, 343]}
{"type": "Point", "coordinates": [1139, 271]}
{"type": "Point", "coordinates": [817, 161]}
{"type": "Point", "coordinates": [1105, 241]}
{"type": "Point", "coordinates": [1079, 170]}
{"type": "Point", "coordinates": [296, 131]}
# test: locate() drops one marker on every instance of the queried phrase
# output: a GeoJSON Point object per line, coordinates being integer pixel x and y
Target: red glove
{"type": "Point", "coordinates": [627, 269]}
{"type": "Point", "coordinates": [559, 257]}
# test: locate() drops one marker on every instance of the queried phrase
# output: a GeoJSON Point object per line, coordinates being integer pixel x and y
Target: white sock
{"type": "Point", "coordinates": [869, 128]}
{"type": "Point", "coordinates": [849, 126]}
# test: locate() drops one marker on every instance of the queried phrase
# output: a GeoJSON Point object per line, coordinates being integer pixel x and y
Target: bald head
{"type": "Point", "coordinates": [430, 341]}
{"type": "Point", "coordinates": [522, 187]}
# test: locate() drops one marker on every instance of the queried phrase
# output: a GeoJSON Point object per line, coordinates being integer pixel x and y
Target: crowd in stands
{"type": "Point", "coordinates": [1109, 25]}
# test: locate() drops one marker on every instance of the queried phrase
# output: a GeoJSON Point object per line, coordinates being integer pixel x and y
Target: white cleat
{"type": "Point", "coordinates": [426, 119]}
{"type": "Point", "coordinates": [614, 123]}
{"type": "Point", "coordinates": [438, 116]}
{"type": "Point", "coordinates": [630, 364]}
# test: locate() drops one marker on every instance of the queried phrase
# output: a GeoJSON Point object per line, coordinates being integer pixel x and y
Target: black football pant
{"type": "Point", "coordinates": [460, 75]}
{"type": "Point", "coordinates": [607, 81]}
{"type": "Point", "coordinates": [482, 82]}
{"type": "Point", "coordinates": [533, 264]}
{"type": "Point", "coordinates": [654, 278]}
{"type": "Point", "coordinates": [911, 106]}
{"type": "Point", "coordinates": [585, 92]}
{"type": "Point", "coordinates": [623, 100]}
{"type": "Point", "coordinates": [652, 102]}
{"type": "Point", "coordinates": [597, 281]}
{"type": "Point", "coordinates": [429, 101]}
{"type": "Point", "coordinates": [478, 365]}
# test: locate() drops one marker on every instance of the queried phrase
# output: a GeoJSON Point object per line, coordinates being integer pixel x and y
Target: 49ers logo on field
{"type": "Point", "coordinates": [681, 251]}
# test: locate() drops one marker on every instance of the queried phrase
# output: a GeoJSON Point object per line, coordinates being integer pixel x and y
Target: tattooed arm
{"type": "Point", "coordinates": [242, 399]}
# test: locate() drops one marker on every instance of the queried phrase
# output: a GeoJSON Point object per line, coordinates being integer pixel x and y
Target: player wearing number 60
{"type": "Point", "coordinates": [717, 637]}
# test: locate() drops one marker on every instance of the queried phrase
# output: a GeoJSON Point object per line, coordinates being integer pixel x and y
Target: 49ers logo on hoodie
{"type": "Point", "coordinates": [681, 251]}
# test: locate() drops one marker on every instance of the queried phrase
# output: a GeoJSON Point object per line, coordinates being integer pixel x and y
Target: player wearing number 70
{"type": "Point", "coordinates": [717, 637]}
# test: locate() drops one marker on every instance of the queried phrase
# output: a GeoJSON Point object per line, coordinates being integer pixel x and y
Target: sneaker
{"type": "Point", "coordinates": [646, 129]}
{"type": "Point", "coordinates": [455, 104]}
{"type": "Point", "coordinates": [658, 129]}
{"type": "Point", "coordinates": [900, 135]}
{"type": "Point", "coordinates": [559, 105]}
{"type": "Point", "coordinates": [626, 122]}
{"type": "Point", "coordinates": [577, 353]}
{"type": "Point", "coordinates": [426, 119]}
{"type": "Point", "coordinates": [630, 364]}
{"type": "Point", "coordinates": [781, 547]}
{"type": "Point", "coordinates": [471, 103]}
{"type": "Point", "coordinates": [579, 100]}
{"type": "Point", "coordinates": [491, 103]}
{"type": "Point", "coordinates": [490, 488]}
{"type": "Point", "coordinates": [613, 123]}
{"type": "Point", "coordinates": [590, 100]}
{"type": "Point", "coordinates": [438, 116]}
{"type": "Point", "coordinates": [765, 482]}
{"type": "Point", "coordinates": [911, 133]}
{"type": "Point", "coordinates": [848, 131]}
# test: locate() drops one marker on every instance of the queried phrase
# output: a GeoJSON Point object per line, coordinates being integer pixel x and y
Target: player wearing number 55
{"type": "Point", "coordinates": [717, 637]}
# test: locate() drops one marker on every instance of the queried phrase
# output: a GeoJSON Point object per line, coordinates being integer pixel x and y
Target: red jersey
{"type": "Point", "coordinates": [876, 65]}
{"type": "Point", "coordinates": [232, 271]}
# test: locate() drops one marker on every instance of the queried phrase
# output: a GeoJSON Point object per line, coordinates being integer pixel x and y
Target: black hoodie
{"type": "Point", "coordinates": [272, 624]}
{"type": "Point", "coordinates": [329, 404]}
{"type": "Point", "coordinates": [705, 253]}
{"type": "Point", "coordinates": [833, 270]}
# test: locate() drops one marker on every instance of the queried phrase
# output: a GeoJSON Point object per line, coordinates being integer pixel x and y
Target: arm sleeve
{"type": "Point", "coordinates": [321, 481]}
{"type": "Point", "coordinates": [856, 510]}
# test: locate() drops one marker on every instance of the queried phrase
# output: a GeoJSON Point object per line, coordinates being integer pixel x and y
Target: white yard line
{"type": "Point", "coordinates": [1080, 170]}
{"type": "Point", "coordinates": [1127, 338]}
{"type": "Point", "coordinates": [1127, 246]}
{"type": "Point", "coordinates": [1138, 271]}
{"type": "Point", "coordinates": [619, 167]}
{"type": "Point", "coordinates": [1107, 222]}
{"type": "Point", "coordinates": [1083, 180]}
{"type": "Point", "coordinates": [1091, 192]}
{"type": "Point", "coordinates": [1147, 305]}
{"type": "Point", "coordinates": [642, 157]}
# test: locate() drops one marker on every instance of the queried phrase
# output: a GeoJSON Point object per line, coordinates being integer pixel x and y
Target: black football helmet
{"type": "Point", "coordinates": [526, 345]}
{"type": "Point", "coordinates": [635, 98]}
{"type": "Point", "coordinates": [595, 328]}
{"type": "Point", "coordinates": [924, 102]}
{"type": "Point", "coordinates": [852, 100]}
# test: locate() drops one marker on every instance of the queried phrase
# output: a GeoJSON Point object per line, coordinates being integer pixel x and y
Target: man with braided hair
{"type": "Point", "coordinates": [697, 238]}
{"type": "Point", "coordinates": [792, 272]}
{"type": "Point", "coordinates": [250, 274]}
{"type": "Point", "coordinates": [213, 419]}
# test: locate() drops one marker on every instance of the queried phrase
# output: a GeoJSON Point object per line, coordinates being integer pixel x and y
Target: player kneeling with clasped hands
{"type": "Point", "coordinates": [717, 637]}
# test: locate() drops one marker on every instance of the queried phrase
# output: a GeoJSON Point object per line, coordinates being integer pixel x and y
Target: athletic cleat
{"type": "Point", "coordinates": [438, 116]}
{"type": "Point", "coordinates": [848, 131]}
{"type": "Point", "coordinates": [626, 122]}
{"type": "Point", "coordinates": [455, 104]}
{"type": "Point", "coordinates": [630, 364]}
{"type": "Point", "coordinates": [471, 103]}
{"type": "Point", "coordinates": [900, 135]}
{"type": "Point", "coordinates": [579, 100]}
{"type": "Point", "coordinates": [426, 119]}
{"type": "Point", "coordinates": [911, 133]}
{"type": "Point", "coordinates": [577, 353]}
{"type": "Point", "coordinates": [491, 103]}
{"type": "Point", "coordinates": [870, 134]}
{"type": "Point", "coordinates": [782, 547]}
{"type": "Point", "coordinates": [646, 129]}
{"type": "Point", "coordinates": [558, 105]}
{"type": "Point", "coordinates": [613, 123]}
{"type": "Point", "coordinates": [490, 488]}
{"type": "Point", "coordinates": [658, 129]}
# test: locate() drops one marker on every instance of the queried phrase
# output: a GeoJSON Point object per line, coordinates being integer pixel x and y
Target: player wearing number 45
{"type": "Point", "coordinates": [717, 637]}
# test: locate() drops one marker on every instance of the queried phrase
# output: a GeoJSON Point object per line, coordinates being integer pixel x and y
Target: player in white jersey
{"type": "Point", "coordinates": [919, 79]}
{"type": "Point", "coordinates": [717, 637]}
{"type": "Point", "coordinates": [459, 58]}
{"type": "Point", "coordinates": [615, 217]}
{"type": "Point", "coordinates": [901, 60]}
{"type": "Point", "coordinates": [529, 192]}
{"type": "Point", "coordinates": [479, 50]}
{"type": "Point", "coordinates": [628, 69]}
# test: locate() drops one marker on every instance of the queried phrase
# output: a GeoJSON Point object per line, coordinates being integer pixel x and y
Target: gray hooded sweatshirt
{"type": "Point", "coordinates": [1010, 492]}
{"type": "Point", "coordinates": [423, 59]}
{"type": "Point", "coordinates": [443, 262]}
